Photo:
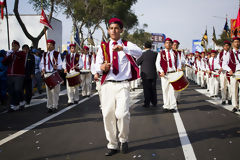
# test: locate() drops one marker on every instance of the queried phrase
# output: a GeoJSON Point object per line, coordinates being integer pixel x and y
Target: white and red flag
{"type": "Point", "coordinates": [44, 20]}
{"type": "Point", "coordinates": [2, 5]}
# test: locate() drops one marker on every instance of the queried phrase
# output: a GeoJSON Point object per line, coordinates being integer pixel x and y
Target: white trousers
{"type": "Point", "coordinates": [234, 84]}
{"type": "Point", "coordinates": [199, 77]}
{"type": "Point", "coordinates": [225, 87]}
{"type": "Point", "coordinates": [98, 88]}
{"type": "Point", "coordinates": [213, 86]}
{"type": "Point", "coordinates": [115, 110]}
{"type": "Point", "coordinates": [169, 98]}
{"type": "Point", "coordinates": [73, 93]}
{"type": "Point", "coordinates": [207, 81]}
{"type": "Point", "coordinates": [202, 79]}
{"type": "Point", "coordinates": [134, 84]}
{"type": "Point", "coordinates": [52, 95]}
{"type": "Point", "coordinates": [86, 84]}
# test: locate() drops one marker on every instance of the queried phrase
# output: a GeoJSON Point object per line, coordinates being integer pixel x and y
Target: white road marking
{"type": "Point", "coordinates": [216, 101]}
{"type": "Point", "coordinates": [39, 101]}
{"type": "Point", "coordinates": [185, 142]}
{"type": "Point", "coordinates": [17, 134]}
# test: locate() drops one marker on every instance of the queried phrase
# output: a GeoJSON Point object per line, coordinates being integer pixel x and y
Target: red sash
{"type": "Point", "coordinates": [68, 62]}
{"type": "Point", "coordinates": [134, 66]}
{"type": "Point", "coordinates": [163, 60]}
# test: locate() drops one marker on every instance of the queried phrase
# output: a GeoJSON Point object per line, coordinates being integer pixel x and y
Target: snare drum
{"type": "Point", "coordinates": [85, 71]}
{"type": "Point", "coordinates": [178, 81]}
{"type": "Point", "coordinates": [73, 79]}
{"type": "Point", "coordinates": [52, 80]}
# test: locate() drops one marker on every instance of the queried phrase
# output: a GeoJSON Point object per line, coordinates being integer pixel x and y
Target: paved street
{"type": "Point", "coordinates": [201, 129]}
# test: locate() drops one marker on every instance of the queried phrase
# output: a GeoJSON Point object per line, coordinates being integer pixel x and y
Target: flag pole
{"type": "Point", "coordinates": [45, 28]}
{"type": "Point", "coordinates": [7, 25]}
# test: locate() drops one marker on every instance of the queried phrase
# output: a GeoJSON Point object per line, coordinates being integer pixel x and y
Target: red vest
{"type": "Point", "coordinates": [55, 56]}
{"type": "Point", "coordinates": [232, 62]}
{"type": "Point", "coordinates": [220, 58]}
{"type": "Point", "coordinates": [163, 60]}
{"type": "Point", "coordinates": [134, 66]}
{"type": "Point", "coordinates": [75, 62]}
{"type": "Point", "coordinates": [16, 63]}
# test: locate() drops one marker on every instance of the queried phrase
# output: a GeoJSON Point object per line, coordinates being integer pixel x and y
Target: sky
{"type": "Point", "coordinates": [184, 20]}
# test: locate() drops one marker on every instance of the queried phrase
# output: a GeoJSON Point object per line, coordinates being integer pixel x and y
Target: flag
{"type": "Point", "coordinates": [203, 43]}
{"type": "Point", "coordinates": [76, 38]}
{"type": "Point", "coordinates": [205, 37]}
{"type": "Point", "coordinates": [226, 28]}
{"type": "Point", "coordinates": [214, 35]}
{"type": "Point", "coordinates": [237, 24]}
{"type": "Point", "coordinates": [44, 20]}
{"type": "Point", "coordinates": [2, 5]}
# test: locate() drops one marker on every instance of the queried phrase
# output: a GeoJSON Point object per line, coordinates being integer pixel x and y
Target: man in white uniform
{"type": "Point", "coordinates": [115, 63]}
{"type": "Point", "coordinates": [72, 65]}
{"type": "Point", "coordinates": [168, 63]}
{"type": "Point", "coordinates": [86, 75]}
{"type": "Point", "coordinates": [51, 61]}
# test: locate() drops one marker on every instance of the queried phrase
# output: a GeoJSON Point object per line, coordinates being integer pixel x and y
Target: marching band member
{"type": "Point", "coordinates": [232, 65]}
{"type": "Point", "coordinates": [203, 69]}
{"type": "Point", "coordinates": [72, 64]}
{"type": "Point", "coordinates": [213, 69]}
{"type": "Point", "coordinates": [115, 62]}
{"type": "Point", "coordinates": [175, 47]}
{"type": "Point", "coordinates": [197, 68]}
{"type": "Point", "coordinates": [51, 61]}
{"type": "Point", "coordinates": [224, 80]}
{"type": "Point", "coordinates": [86, 75]}
{"type": "Point", "coordinates": [15, 60]}
{"type": "Point", "coordinates": [167, 63]}
{"type": "Point", "coordinates": [96, 77]}
{"type": "Point", "coordinates": [189, 63]}
{"type": "Point", "coordinates": [207, 74]}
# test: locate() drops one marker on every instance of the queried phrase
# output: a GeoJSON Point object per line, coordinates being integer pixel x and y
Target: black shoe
{"type": "Point", "coordinates": [69, 104]}
{"type": "Point", "coordinates": [75, 102]}
{"type": "Point", "coordinates": [111, 152]}
{"type": "Point", "coordinates": [223, 102]}
{"type": "Point", "coordinates": [50, 110]}
{"type": "Point", "coordinates": [172, 110]}
{"type": "Point", "coordinates": [124, 147]}
{"type": "Point", "coordinates": [165, 110]}
{"type": "Point", "coordinates": [229, 102]}
{"type": "Point", "coordinates": [234, 110]}
{"type": "Point", "coordinates": [145, 106]}
{"type": "Point", "coordinates": [154, 105]}
{"type": "Point", "coordinates": [54, 109]}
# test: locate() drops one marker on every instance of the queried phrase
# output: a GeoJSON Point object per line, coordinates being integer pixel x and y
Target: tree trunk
{"type": "Point", "coordinates": [35, 40]}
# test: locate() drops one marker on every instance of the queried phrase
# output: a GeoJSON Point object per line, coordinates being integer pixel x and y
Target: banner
{"type": "Point", "coordinates": [196, 46]}
{"type": "Point", "coordinates": [233, 24]}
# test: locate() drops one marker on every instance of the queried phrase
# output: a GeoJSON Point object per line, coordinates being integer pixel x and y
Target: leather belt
{"type": "Point", "coordinates": [113, 81]}
{"type": "Point", "coordinates": [171, 72]}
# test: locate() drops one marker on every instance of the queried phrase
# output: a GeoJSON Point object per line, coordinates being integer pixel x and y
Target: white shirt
{"type": "Point", "coordinates": [226, 62]}
{"type": "Point", "coordinates": [59, 62]}
{"type": "Point", "coordinates": [216, 65]}
{"type": "Point", "coordinates": [124, 65]}
{"type": "Point", "coordinates": [93, 65]}
{"type": "Point", "coordinates": [79, 64]}
{"type": "Point", "coordinates": [160, 69]}
{"type": "Point", "coordinates": [203, 64]}
{"type": "Point", "coordinates": [88, 65]}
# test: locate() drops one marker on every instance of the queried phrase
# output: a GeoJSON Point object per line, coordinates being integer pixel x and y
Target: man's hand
{"type": "Point", "coordinates": [96, 77]}
{"type": "Point", "coordinates": [117, 48]}
{"type": "Point", "coordinates": [220, 70]}
{"type": "Point", "coordinates": [55, 66]}
{"type": "Point", "coordinates": [162, 74]}
{"type": "Point", "coordinates": [230, 72]}
{"type": "Point", "coordinates": [105, 67]}
{"type": "Point", "coordinates": [43, 71]}
{"type": "Point", "coordinates": [179, 70]}
{"type": "Point", "coordinates": [65, 70]}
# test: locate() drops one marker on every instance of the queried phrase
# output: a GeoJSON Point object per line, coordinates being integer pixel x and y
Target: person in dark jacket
{"type": "Point", "coordinates": [15, 60]}
{"type": "Point", "coordinates": [29, 73]}
{"type": "Point", "coordinates": [3, 79]}
{"type": "Point", "coordinates": [148, 75]}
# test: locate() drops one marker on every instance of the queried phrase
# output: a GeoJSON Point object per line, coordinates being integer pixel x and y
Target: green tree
{"type": "Point", "coordinates": [223, 37]}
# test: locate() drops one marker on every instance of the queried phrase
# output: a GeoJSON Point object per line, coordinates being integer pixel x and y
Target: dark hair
{"type": "Point", "coordinates": [25, 46]}
{"type": "Point", "coordinates": [148, 44]}
{"type": "Point", "coordinates": [119, 24]}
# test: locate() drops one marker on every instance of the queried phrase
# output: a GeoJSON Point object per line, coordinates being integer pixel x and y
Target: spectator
{"type": "Point", "coordinates": [3, 78]}
{"type": "Point", "coordinates": [37, 80]}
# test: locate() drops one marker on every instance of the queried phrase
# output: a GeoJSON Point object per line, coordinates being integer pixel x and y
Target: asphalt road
{"type": "Point", "coordinates": [77, 133]}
